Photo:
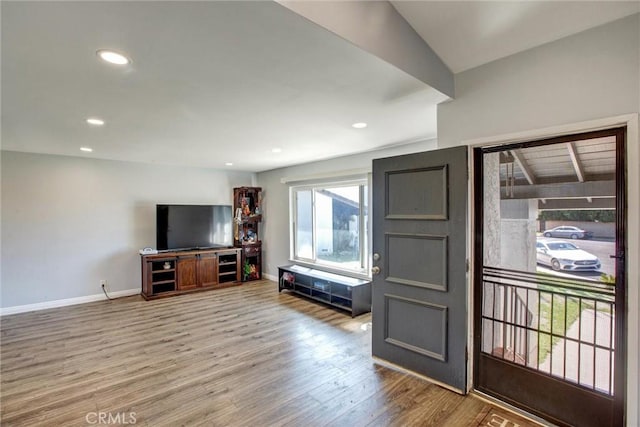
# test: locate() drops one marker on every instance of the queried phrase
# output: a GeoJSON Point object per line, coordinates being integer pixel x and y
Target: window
{"type": "Point", "coordinates": [329, 226]}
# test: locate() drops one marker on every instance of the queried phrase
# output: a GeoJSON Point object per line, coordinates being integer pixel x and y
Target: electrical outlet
{"type": "Point", "coordinates": [103, 283]}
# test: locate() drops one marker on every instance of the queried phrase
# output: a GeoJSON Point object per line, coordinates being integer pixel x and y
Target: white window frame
{"type": "Point", "coordinates": [364, 241]}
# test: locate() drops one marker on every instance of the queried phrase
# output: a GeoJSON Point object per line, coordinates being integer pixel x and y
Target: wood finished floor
{"type": "Point", "coordinates": [242, 356]}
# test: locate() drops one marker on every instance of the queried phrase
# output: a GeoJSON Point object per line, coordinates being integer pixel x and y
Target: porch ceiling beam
{"type": "Point", "coordinates": [578, 204]}
{"type": "Point", "coordinates": [575, 161]}
{"type": "Point", "coordinates": [565, 190]}
{"type": "Point", "coordinates": [524, 166]}
{"type": "Point", "coordinates": [577, 164]}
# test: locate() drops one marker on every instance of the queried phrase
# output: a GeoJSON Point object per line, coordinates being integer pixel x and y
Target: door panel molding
{"type": "Point", "coordinates": [415, 205]}
{"type": "Point", "coordinates": [433, 261]}
{"type": "Point", "coordinates": [397, 307]}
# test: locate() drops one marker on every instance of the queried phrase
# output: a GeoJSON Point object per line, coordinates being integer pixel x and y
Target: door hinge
{"type": "Point", "coordinates": [466, 354]}
{"type": "Point", "coordinates": [467, 265]}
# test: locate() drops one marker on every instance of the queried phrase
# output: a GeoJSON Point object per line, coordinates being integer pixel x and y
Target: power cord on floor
{"type": "Point", "coordinates": [106, 294]}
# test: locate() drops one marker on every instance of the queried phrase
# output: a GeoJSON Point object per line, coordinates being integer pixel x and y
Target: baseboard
{"type": "Point", "coordinates": [5, 311]}
{"type": "Point", "coordinates": [270, 277]}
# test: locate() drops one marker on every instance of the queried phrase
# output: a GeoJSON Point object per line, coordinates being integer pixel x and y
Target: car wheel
{"type": "Point", "coordinates": [574, 236]}
{"type": "Point", "coordinates": [555, 264]}
{"type": "Point", "coordinates": [547, 234]}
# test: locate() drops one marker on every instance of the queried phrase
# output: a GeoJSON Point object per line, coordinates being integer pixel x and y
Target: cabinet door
{"type": "Point", "coordinates": [207, 269]}
{"type": "Point", "coordinates": [187, 277]}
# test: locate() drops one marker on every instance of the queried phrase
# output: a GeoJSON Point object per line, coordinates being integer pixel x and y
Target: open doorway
{"type": "Point", "coordinates": [550, 292]}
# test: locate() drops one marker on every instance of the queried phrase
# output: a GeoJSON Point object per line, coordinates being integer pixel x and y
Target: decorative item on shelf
{"type": "Point", "coordinates": [250, 271]}
{"type": "Point", "coordinates": [167, 265]}
{"type": "Point", "coordinates": [257, 210]}
{"type": "Point", "coordinates": [289, 277]}
{"type": "Point", "coordinates": [148, 251]}
{"type": "Point", "coordinates": [246, 269]}
{"type": "Point", "coordinates": [250, 236]}
{"type": "Point", "coordinates": [237, 233]}
{"type": "Point", "coordinates": [245, 204]}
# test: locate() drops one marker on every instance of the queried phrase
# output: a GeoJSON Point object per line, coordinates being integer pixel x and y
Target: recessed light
{"type": "Point", "coordinates": [86, 149]}
{"type": "Point", "coordinates": [276, 150]}
{"type": "Point", "coordinates": [228, 164]}
{"type": "Point", "coordinates": [113, 57]}
{"type": "Point", "coordinates": [359, 125]}
{"type": "Point", "coordinates": [95, 121]}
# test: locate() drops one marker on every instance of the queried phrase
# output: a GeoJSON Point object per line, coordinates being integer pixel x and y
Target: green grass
{"type": "Point", "coordinates": [345, 256]}
{"type": "Point", "coordinates": [565, 313]}
{"type": "Point", "coordinates": [561, 322]}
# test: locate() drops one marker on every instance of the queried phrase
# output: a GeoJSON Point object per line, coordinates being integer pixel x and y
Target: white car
{"type": "Point", "coordinates": [561, 255]}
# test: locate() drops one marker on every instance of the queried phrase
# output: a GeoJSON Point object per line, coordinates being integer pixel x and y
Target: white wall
{"type": "Point", "coordinates": [581, 82]}
{"type": "Point", "coordinates": [275, 225]}
{"type": "Point", "coordinates": [591, 75]}
{"type": "Point", "coordinates": [68, 222]}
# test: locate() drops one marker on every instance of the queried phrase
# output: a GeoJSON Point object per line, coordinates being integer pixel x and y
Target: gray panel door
{"type": "Point", "coordinates": [419, 245]}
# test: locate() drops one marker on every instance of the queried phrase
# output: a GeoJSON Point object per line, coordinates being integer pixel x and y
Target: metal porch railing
{"type": "Point", "coordinates": [560, 327]}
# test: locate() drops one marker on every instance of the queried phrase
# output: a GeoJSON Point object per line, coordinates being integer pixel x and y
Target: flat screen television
{"type": "Point", "coordinates": [193, 226]}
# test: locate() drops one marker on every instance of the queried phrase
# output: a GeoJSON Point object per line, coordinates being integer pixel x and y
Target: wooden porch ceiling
{"type": "Point", "coordinates": [573, 175]}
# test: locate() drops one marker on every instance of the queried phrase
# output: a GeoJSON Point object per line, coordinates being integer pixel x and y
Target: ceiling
{"type": "Point", "coordinates": [573, 175]}
{"type": "Point", "coordinates": [466, 34]}
{"type": "Point", "coordinates": [212, 83]}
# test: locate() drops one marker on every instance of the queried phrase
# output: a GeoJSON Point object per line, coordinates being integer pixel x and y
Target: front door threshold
{"type": "Point", "coordinates": [507, 407]}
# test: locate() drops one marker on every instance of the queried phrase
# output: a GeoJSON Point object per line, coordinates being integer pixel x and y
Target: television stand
{"type": "Point", "coordinates": [177, 272]}
{"type": "Point", "coordinates": [346, 293]}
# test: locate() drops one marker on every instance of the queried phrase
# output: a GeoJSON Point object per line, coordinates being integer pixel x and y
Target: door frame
{"type": "Point", "coordinates": [631, 121]}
